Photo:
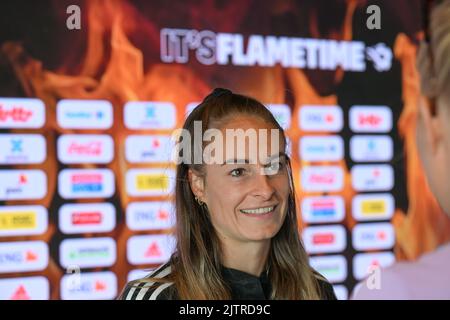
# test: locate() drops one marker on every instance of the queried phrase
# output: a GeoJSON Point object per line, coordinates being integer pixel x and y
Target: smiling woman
{"type": "Point", "coordinates": [237, 227]}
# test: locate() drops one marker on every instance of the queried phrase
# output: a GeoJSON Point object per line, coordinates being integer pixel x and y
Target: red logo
{"type": "Point", "coordinates": [327, 178]}
{"type": "Point", "coordinates": [20, 294]}
{"type": "Point", "coordinates": [323, 238]}
{"type": "Point", "coordinates": [89, 149]}
{"type": "Point", "coordinates": [156, 143]}
{"type": "Point", "coordinates": [23, 179]}
{"type": "Point", "coordinates": [16, 114]}
{"type": "Point", "coordinates": [153, 251]}
{"type": "Point", "coordinates": [86, 178]}
{"type": "Point", "coordinates": [86, 218]}
{"type": "Point", "coordinates": [163, 215]}
{"type": "Point", "coordinates": [329, 118]}
{"type": "Point", "coordinates": [30, 256]}
{"type": "Point", "coordinates": [370, 120]}
{"type": "Point", "coordinates": [100, 286]}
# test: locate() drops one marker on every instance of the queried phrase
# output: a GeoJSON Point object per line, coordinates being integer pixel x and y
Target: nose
{"type": "Point", "coordinates": [263, 187]}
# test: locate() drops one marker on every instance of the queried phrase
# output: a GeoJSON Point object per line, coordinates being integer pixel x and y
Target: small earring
{"type": "Point", "coordinates": [200, 202]}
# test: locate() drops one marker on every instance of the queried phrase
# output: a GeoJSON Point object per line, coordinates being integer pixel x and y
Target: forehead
{"type": "Point", "coordinates": [255, 134]}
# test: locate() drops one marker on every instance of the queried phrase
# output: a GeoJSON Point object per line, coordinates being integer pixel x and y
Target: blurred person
{"type": "Point", "coordinates": [429, 276]}
{"type": "Point", "coordinates": [237, 231]}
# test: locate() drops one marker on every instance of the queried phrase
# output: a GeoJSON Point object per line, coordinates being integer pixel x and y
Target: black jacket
{"type": "Point", "coordinates": [243, 286]}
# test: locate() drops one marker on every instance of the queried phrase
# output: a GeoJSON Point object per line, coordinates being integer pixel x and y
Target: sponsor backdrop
{"type": "Point", "coordinates": [86, 117]}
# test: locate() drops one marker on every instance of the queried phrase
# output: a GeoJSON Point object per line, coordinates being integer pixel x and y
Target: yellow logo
{"type": "Point", "coordinates": [147, 182]}
{"type": "Point", "coordinates": [18, 220]}
{"type": "Point", "coordinates": [373, 207]}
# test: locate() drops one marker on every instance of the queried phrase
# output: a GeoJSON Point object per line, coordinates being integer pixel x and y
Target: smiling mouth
{"type": "Point", "coordinates": [261, 211]}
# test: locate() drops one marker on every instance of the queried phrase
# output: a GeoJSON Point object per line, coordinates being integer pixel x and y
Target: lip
{"type": "Point", "coordinates": [261, 216]}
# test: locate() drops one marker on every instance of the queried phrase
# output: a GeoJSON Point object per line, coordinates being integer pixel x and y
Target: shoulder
{"type": "Point", "coordinates": [146, 289]}
{"type": "Point", "coordinates": [326, 289]}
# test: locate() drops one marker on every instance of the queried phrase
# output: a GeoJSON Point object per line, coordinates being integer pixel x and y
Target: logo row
{"type": "Point", "coordinates": [155, 215]}
{"type": "Point", "coordinates": [143, 115]}
{"type": "Point", "coordinates": [153, 249]}
{"type": "Point", "coordinates": [85, 218]}
{"type": "Point", "coordinates": [100, 183]}
{"type": "Point", "coordinates": [28, 256]}
{"type": "Point", "coordinates": [99, 149]}
{"type": "Point", "coordinates": [85, 183]}
{"type": "Point", "coordinates": [103, 285]}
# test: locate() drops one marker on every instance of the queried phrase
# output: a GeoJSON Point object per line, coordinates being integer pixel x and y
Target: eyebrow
{"type": "Point", "coordinates": [246, 161]}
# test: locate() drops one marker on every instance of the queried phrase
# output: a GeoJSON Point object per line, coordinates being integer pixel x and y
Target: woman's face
{"type": "Point", "coordinates": [248, 202]}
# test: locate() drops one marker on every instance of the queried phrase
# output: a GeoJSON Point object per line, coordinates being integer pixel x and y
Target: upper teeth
{"type": "Point", "coordinates": [258, 211]}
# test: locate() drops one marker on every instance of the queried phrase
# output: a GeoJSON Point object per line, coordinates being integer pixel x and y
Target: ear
{"type": "Point", "coordinates": [432, 124]}
{"type": "Point", "coordinates": [197, 184]}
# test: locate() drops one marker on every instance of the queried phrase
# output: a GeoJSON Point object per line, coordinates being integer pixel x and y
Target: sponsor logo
{"type": "Point", "coordinates": [22, 149]}
{"type": "Point", "coordinates": [150, 182]}
{"type": "Point", "coordinates": [373, 236]}
{"type": "Point", "coordinates": [88, 252]}
{"type": "Point", "coordinates": [371, 148]}
{"type": "Point", "coordinates": [91, 286]}
{"type": "Point", "coordinates": [87, 217]}
{"type": "Point", "coordinates": [84, 114]}
{"type": "Point", "coordinates": [21, 113]}
{"type": "Point", "coordinates": [305, 53]}
{"type": "Point", "coordinates": [333, 268]}
{"type": "Point", "coordinates": [370, 207]}
{"type": "Point", "coordinates": [323, 209]}
{"type": "Point", "coordinates": [322, 178]}
{"type": "Point", "coordinates": [150, 215]}
{"type": "Point", "coordinates": [29, 288]}
{"type": "Point", "coordinates": [281, 113]}
{"type": "Point", "coordinates": [324, 239]}
{"type": "Point", "coordinates": [321, 118]}
{"type": "Point", "coordinates": [370, 119]}
{"type": "Point", "coordinates": [22, 184]}
{"type": "Point", "coordinates": [150, 249]}
{"type": "Point", "coordinates": [86, 183]}
{"type": "Point", "coordinates": [149, 115]}
{"type": "Point", "coordinates": [362, 262]}
{"type": "Point", "coordinates": [372, 177]}
{"type": "Point", "coordinates": [75, 149]}
{"type": "Point", "coordinates": [23, 256]}
{"type": "Point", "coordinates": [149, 148]}
{"type": "Point", "coordinates": [321, 148]}
{"type": "Point", "coordinates": [23, 220]}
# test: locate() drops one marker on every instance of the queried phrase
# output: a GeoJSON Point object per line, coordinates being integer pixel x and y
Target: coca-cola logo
{"type": "Point", "coordinates": [93, 148]}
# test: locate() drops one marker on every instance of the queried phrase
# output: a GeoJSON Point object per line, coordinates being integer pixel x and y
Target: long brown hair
{"type": "Point", "coordinates": [196, 263]}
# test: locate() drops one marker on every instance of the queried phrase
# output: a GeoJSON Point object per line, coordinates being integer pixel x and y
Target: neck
{"type": "Point", "coordinates": [249, 257]}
